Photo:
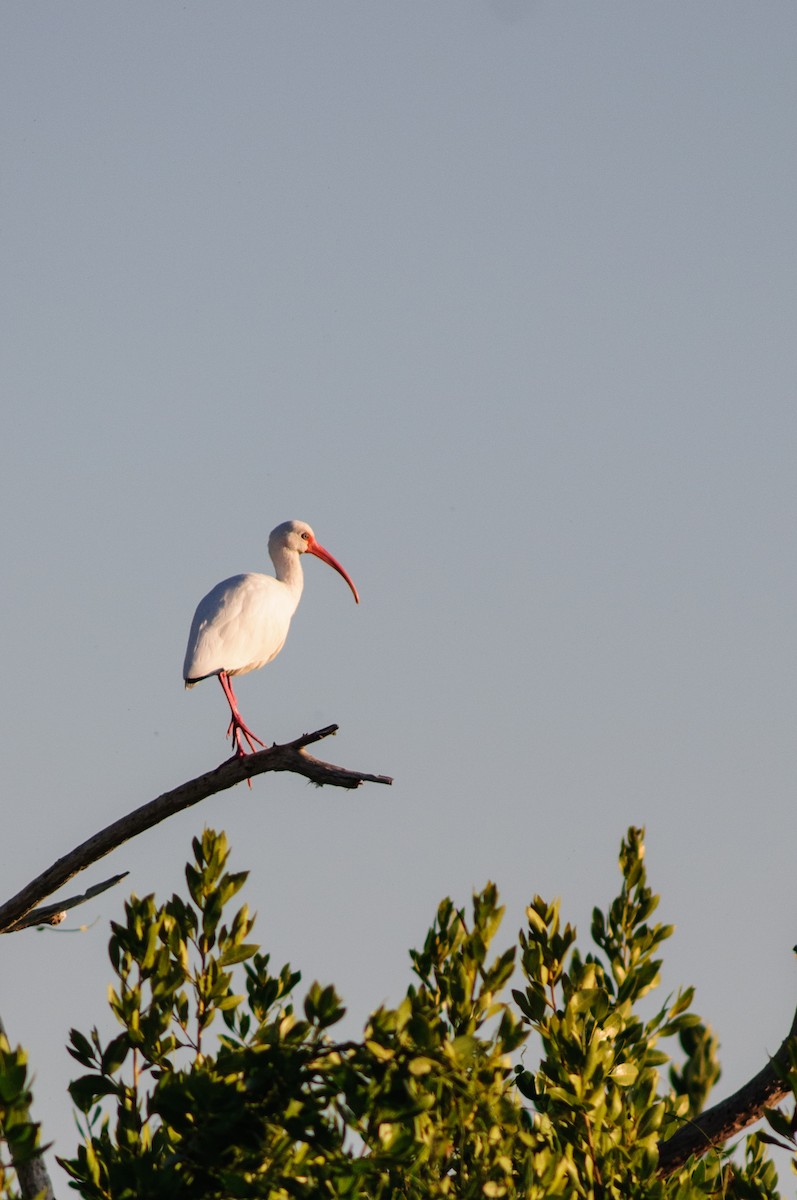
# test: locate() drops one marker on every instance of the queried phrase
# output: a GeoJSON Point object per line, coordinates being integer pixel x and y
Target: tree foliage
{"type": "Point", "coordinates": [225, 1082]}
{"type": "Point", "coordinates": [20, 1134]}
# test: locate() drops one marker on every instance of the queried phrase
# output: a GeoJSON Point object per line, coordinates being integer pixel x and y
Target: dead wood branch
{"type": "Point", "coordinates": [290, 757]}
{"type": "Point", "coordinates": [53, 914]}
{"type": "Point", "coordinates": [723, 1121]}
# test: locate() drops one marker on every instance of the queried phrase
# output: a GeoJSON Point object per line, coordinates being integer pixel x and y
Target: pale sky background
{"type": "Point", "coordinates": [500, 297]}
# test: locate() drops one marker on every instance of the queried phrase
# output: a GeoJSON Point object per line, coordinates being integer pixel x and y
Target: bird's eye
{"type": "Point", "coordinates": [306, 537]}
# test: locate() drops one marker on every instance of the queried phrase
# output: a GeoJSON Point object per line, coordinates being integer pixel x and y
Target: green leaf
{"type": "Point", "coordinates": [624, 1074]}
{"type": "Point", "coordinates": [592, 1000]}
{"type": "Point", "coordinates": [86, 1090]}
{"type": "Point", "coordinates": [421, 1065]}
{"type": "Point", "coordinates": [383, 1053]}
{"type": "Point", "coordinates": [115, 1054]}
{"type": "Point", "coordinates": [81, 1048]}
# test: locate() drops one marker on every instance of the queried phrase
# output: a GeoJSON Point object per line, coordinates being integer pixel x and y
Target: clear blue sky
{"type": "Point", "coordinates": [500, 297]}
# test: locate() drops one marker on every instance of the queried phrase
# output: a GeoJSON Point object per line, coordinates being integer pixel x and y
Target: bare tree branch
{"type": "Point", "coordinates": [716, 1125]}
{"type": "Point", "coordinates": [53, 914]}
{"type": "Point", "coordinates": [290, 757]}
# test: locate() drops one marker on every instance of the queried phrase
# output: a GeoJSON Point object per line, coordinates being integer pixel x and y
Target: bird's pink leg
{"type": "Point", "coordinates": [237, 727]}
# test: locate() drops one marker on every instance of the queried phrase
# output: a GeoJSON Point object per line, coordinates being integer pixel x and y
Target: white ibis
{"type": "Point", "coordinates": [243, 622]}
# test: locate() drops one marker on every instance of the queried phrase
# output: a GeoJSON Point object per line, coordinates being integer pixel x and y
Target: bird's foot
{"type": "Point", "coordinates": [238, 731]}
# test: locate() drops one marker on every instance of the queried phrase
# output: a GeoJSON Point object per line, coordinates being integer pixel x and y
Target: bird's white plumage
{"type": "Point", "coordinates": [239, 626]}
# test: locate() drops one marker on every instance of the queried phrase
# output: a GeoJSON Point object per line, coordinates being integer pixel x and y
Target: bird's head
{"type": "Point", "coordinates": [298, 537]}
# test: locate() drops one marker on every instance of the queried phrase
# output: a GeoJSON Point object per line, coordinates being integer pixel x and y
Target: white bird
{"type": "Point", "coordinates": [243, 622]}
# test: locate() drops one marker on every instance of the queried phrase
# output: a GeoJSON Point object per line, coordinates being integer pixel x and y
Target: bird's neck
{"type": "Point", "coordinates": [288, 569]}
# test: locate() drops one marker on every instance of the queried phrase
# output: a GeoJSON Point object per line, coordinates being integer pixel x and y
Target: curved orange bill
{"type": "Point", "coordinates": [326, 557]}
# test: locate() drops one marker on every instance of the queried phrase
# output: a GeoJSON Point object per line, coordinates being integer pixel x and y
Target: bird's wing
{"type": "Point", "coordinates": [240, 625]}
